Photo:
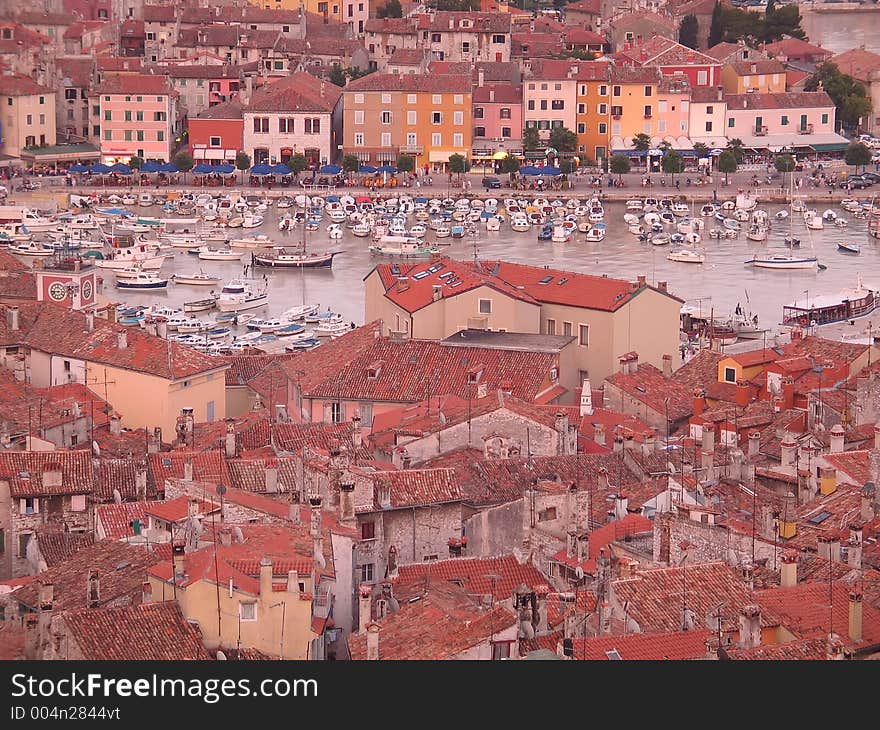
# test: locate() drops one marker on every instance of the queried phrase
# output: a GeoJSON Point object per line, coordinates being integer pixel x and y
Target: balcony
{"type": "Point", "coordinates": [411, 149]}
{"type": "Point", "coordinates": [648, 116]}
{"type": "Point", "coordinates": [806, 129]}
{"type": "Point", "coordinates": [615, 116]}
{"type": "Point", "coordinates": [760, 131]}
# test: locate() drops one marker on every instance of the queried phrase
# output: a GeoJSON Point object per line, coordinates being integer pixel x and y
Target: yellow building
{"type": "Point", "coordinates": [426, 117]}
{"type": "Point", "coordinates": [633, 102]}
{"type": "Point", "coordinates": [147, 379]}
{"type": "Point", "coordinates": [607, 317]}
{"type": "Point", "coordinates": [762, 76]}
{"type": "Point", "coordinates": [27, 114]}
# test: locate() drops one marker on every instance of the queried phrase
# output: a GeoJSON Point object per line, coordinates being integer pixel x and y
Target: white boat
{"type": "Point", "coordinates": [199, 279]}
{"type": "Point", "coordinates": [596, 234]}
{"type": "Point", "coordinates": [145, 200]}
{"type": "Point", "coordinates": [200, 305]}
{"type": "Point", "coordinates": [560, 234]}
{"type": "Point", "coordinates": [708, 210]}
{"type": "Point", "coordinates": [328, 329]}
{"type": "Point", "coordinates": [123, 258]}
{"type": "Point", "coordinates": [780, 261]}
{"type": "Point", "coordinates": [634, 205]}
{"type": "Point", "coordinates": [192, 325]}
{"type": "Point", "coordinates": [813, 220]}
{"type": "Point", "coordinates": [258, 241]}
{"type": "Point", "coordinates": [334, 231]}
{"type": "Point", "coordinates": [300, 311]}
{"type": "Point", "coordinates": [251, 220]}
{"type": "Point", "coordinates": [129, 272]}
{"type": "Point", "coordinates": [403, 246]}
{"type": "Point", "coordinates": [660, 239]}
{"type": "Point", "coordinates": [362, 229]}
{"type": "Point", "coordinates": [241, 294]}
{"type": "Point", "coordinates": [823, 309]}
{"type": "Point", "coordinates": [493, 223]}
{"type": "Point", "coordinates": [757, 233]}
{"type": "Point", "coordinates": [206, 253]}
{"type": "Point", "coordinates": [686, 256]}
{"type": "Point", "coordinates": [829, 216]}
{"type": "Point", "coordinates": [142, 281]}
{"type": "Point", "coordinates": [32, 248]}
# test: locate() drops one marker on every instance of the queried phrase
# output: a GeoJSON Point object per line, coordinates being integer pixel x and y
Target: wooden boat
{"type": "Point", "coordinates": [142, 281]}
{"type": "Point", "coordinates": [200, 279]}
{"type": "Point", "coordinates": [283, 258]}
{"type": "Point", "coordinates": [849, 247]}
{"type": "Point", "coordinates": [200, 305]}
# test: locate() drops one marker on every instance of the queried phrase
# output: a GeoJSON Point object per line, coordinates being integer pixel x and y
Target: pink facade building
{"type": "Point", "coordinates": [498, 121]}
{"type": "Point", "coordinates": [136, 116]}
{"type": "Point", "coordinates": [781, 120]}
{"type": "Point", "coordinates": [672, 59]}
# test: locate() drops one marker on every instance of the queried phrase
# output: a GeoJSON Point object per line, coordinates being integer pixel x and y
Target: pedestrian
{"type": "Point", "coordinates": [714, 196]}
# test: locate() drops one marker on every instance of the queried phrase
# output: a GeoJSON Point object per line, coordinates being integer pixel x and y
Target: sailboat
{"type": "Point", "coordinates": [281, 257]}
{"type": "Point", "coordinates": [789, 260]}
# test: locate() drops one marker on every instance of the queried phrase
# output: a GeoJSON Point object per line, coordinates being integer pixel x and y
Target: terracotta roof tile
{"type": "Point", "coordinates": [649, 386]}
{"type": "Point", "coordinates": [415, 488]}
{"type": "Point", "coordinates": [431, 84]}
{"type": "Point", "coordinates": [473, 574]}
{"type": "Point", "coordinates": [18, 85]}
{"type": "Point", "coordinates": [795, 47]}
{"type": "Point", "coordinates": [133, 83]}
{"type": "Point", "coordinates": [250, 474]}
{"type": "Point", "coordinates": [153, 631]}
{"type": "Point", "coordinates": [758, 66]}
{"type": "Point", "coordinates": [116, 519]}
{"type": "Point", "coordinates": [458, 21]}
{"type": "Point", "coordinates": [25, 472]}
{"type": "Point", "coordinates": [207, 466]}
{"type": "Point", "coordinates": [786, 100]}
{"type": "Point", "coordinates": [57, 546]}
{"type": "Point", "coordinates": [677, 645]}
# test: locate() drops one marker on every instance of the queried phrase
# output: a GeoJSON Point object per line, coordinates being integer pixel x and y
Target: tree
{"type": "Point", "coordinates": [337, 75]}
{"type": "Point", "coordinates": [736, 145]}
{"type": "Point", "coordinates": [297, 163]}
{"type": "Point", "coordinates": [458, 164]}
{"type": "Point", "coordinates": [510, 164]}
{"type": "Point", "coordinates": [688, 31]}
{"type": "Point", "coordinates": [531, 140]}
{"type": "Point", "coordinates": [672, 163]}
{"type": "Point", "coordinates": [455, 5]}
{"type": "Point", "coordinates": [785, 21]}
{"type": "Point", "coordinates": [406, 163]}
{"type": "Point", "coordinates": [857, 154]}
{"type": "Point", "coordinates": [716, 30]}
{"type": "Point", "coordinates": [566, 166]}
{"type": "Point", "coordinates": [784, 164]}
{"type": "Point", "coordinates": [641, 142]}
{"type": "Point", "coordinates": [351, 163]}
{"type": "Point", "coordinates": [243, 163]}
{"type": "Point", "coordinates": [701, 150]}
{"type": "Point", "coordinates": [135, 163]}
{"type": "Point", "coordinates": [183, 161]}
{"type": "Point", "coordinates": [563, 139]}
{"type": "Point", "coordinates": [391, 9]}
{"type": "Point", "coordinates": [726, 163]}
{"type": "Point", "coordinates": [849, 96]}
{"type": "Point", "coordinates": [619, 165]}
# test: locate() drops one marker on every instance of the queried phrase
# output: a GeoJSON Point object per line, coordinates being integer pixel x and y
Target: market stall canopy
{"type": "Point", "coordinates": [226, 169]}
{"type": "Point", "coordinates": [500, 155]}
{"type": "Point", "coordinates": [329, 169]}
{"type": "Point", "coordinates": [151, 166]}
{"type": "Point", "coordinates": [529, 170]}
{"type": "Point", "coordinates": [168, 167]}
{"type": "Point", "coordinates": [368, 169]}
{"type": "Point", "coordinates": [203, 169]}
{"type": "Point", "coordinates": [99, 169]}
{"type": "Point", "coordinates": [121, 169]}
{"type": "Point", "coordinates": [261, 169]}
{"type": "Point", "coordinates": [280, 169]}
{"type": "Point", "coordinates": [387, 168]}
{"type": "Point", "coordinates": [77, 167]}
{"type": "Point", "coordinates": [549, 170]}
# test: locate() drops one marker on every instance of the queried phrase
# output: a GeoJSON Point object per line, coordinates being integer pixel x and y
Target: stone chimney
{"type": "Point", "coordinates": [708, 439]}
{"type": "Point", "coordinates": [364, 607]}
{"type": "Point", "coordinates": [788, 450]}
{"type": "Point", "coordinates": [271, 478]}
{"type": "Point", "coordinates": [837, 439]}
{"type": "Point", "coordinates": [571, 544]}
{"type": "Point", "coordinates": [178, 560]}
{"type": "Point", "coordinates": [154, 442]}
{"type": "Point", "coordinates": [618, 444]}
{"type": "Point", "coordinates": [541, 592]}
{"type": "Point", "coordinates": [122, 339]}
{"type": "Point", "coordinates": [699, 401]}
{"type": "Point", "coordinates": [12, 319]}
{"type": "Point", "coordinates": [743, 393]}
{"type": "Point", "coordinates": [754, 444]}
{"type": "Point", "coordinates": [667, 366]}
{"type": "Point", "coordinates": [583, 547]}
{"type": "Point", "coordinates": [866, 512]}
{"type": "Point", "coordinates": [750, 627]}
{"type": "Point", "coordinates": [357, 435]}
{"type": "Point", "coordinates": [188, 470]}
{"type": "Point", "coordinates": [373, 642]}
{"type": "Point", "coordinates": [229, 440]}
{"type": "Point", "coordinates": [225, 536]}
{"type": "Point", "coordinates": [265, 579]}
{"type": "Point", "coordinates": [481, 77]}
{"type": "Point", "coordinates": [90, 321]}
{"type": "Point", "coordinates": [805, 488]}
{"type": "Point", "coordinates": [599, 434]}
{"type": "Point", "coordinates": [855, 615]}
{"type": "Point", "coordinates": [788, 576]}
{"type": "Point", "coordinates": [720, 90]}
{"type": "Point", "coordinates": [293, 581]}
{"type": "Point", "coordinates": [317, 539]}
{"type": "Point", "coordinates": [346, 499]}
{"type": "Point", "coordinates": [586, 408]}
{"type": "Point", "coordinates": [115, 424]}
{"type": "Point", "coordinates": [854, 548]}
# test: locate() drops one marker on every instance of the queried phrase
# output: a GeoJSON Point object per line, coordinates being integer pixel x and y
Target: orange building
{"type": "Point", "coordinates": [427, 117]}
{"type": "Point", "coordinates": [593, 115]}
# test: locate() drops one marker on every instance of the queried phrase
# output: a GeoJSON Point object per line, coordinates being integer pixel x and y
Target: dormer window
{"type": "Point", "coordinates": [554, 374]}
{"type": "Point", "coordinates": [373, 370]}
{"type": "Point", "coordinates": [474, 374]}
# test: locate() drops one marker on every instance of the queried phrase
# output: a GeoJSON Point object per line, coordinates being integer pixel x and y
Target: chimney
{"type": "Point", "coordinates": [855, 615]}
{"type": "Point", "coordinates": [754, 68]}
{"type": "Point", "coordinates": [642, 281]}
{"type": "Point", "coordinates": [12, 321]}
{"type": "Point", "coordinates": [481, 77]}
{"type": "Point", "coordinates": [834, 549]}
{"type": "Point", "coordinates": [854, 549]}
{"type": "Point", "coordinates": [805, 488]}
{"type": "Point", "coordinates": [93, 590]}
{"type": "Point", "coordinates": [745, 102]}
{"type": "Point", "coordinates": [834, 648]}
{"type": "Point", "coordinates": [46, 596]}
{"type": "Point", "coordinates": [571, 544]}
{"type": "Point", "coordinates": [188, 470]}
{"type": "Point", "coordinates": [146, 592]}
{"type": "Point", "coordinates": [178, 560]}
{"type": "Point", "coordinates": [541, 592]}
{"type": "Point", "coordinates": [265, 578]}
{"type": "Point", "coordinates": [754, 444]}
{"type": "Point", "coordinates": [583, 547]}
{"type": "Point", "coordinates": [743, 393]}
{"type": "Point", "coordinates": [662, 286]}
{"type": "Point", "coordinates": [720, 90]}
{"type": "Point", "coordinates": [618, 444]}
{"type": "Point", "coordinates": [823, 547]}
{"type": "Point", "coordinates": [436, 292]}
{"type": "Point", "coordinates": [90, 321]}
{"type": "Point", "coordinates": [788, 576]}
{"type": "Point", "coordinates": [346, 500]}
{"type": "Point", "coordinates": [827, 480]}
{"type": "Point", "coordinates": [837, 438]}
{"type": "Point", "coordinates": [788, 394]}
{"type": "Point", "coordinates": [402, 283]}
{"type": "Point", "coordinates": [708, 439]}
{"type": "Point", "coordinates": [225, 536]}
{"type": "Point", "coordinates": [866, 513]}
{"type": "Point", "coordinates": [292, 582]}
{"type": "Point", "coordinates": [154, 443]}
{"type": "Point", "coordinates": [271, 477]}
{"type": "Point", "coordinates": [699, 402]}
{"type": "Point", "coordinates": [229, 440]}
{"type": "Point", "coordinates": [789, 449]}
{"type": "Point", "coordinates": [317, 538]}
{"type": "Point", "coordinates": [586, 408]}
{"type": "Point", "coordinates": [373, 640]}
{"type": "Point", "coordinates": [599, 434]}
{"type": "Point", "coordinates": [621, 501]}
{"type": "Point", "coordinates": [561, 423]}
{"type": "Point", "coordinates": [115, 424]}
{"type": "Point", "coordinates": [667, 366]}
{"type": "Point", "coordinates": [364, 607]}
{"type": "Point", "coordinates": [122, 339]}
{"type": "Point", "coordinates": [750, 627]}
{"type": "Point", "coordinates": [492, 95]}
{"type": "Point", "coordinates": [452, 24]}
{"type": "Point", "coordinates": [192, 507]}
{"type": "Point", "coordinates": [357, 436]}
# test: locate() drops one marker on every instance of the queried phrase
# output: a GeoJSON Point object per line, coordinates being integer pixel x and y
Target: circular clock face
{"type": "Point", "coordinates": [57, 291]}
{"type": "Point", "coordinates": [87, 290]}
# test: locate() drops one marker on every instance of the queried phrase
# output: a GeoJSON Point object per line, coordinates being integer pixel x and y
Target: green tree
{"type": "Point", "coordinates": [672, 163]}
{"type": "Point", "coordinates": [531, 140]}
{"type": "Point", "coordinates": [337, 75]}
{"type": "Point", "coordinates": [726, 163]}
{"type": "Point", "coordinates": [784, 21]}
{"type": "Point", "coordinates": [849, 96]}
{"type": "Point", "coordinates": [688, 30]}
{"type": "Point", "coordinates": [243, 163]}
{"type": "Point", "coordinates": [406, 163]}
{"type": "Point", "coordinates": [701, 150]}
{"type": "Point", "coordinates": [716, 29]}
{"type": "Point", "coordinates": [135, 163]}
{"type": "Point", "coordinates": [510, 164]}
{"type": "Point", "coordinates": [563, 139]}
{"type": "Point", "coordinates": [641, 142]}
{"type": "Point", "coordinates": [391, 9]}
{"type": "Point", "coordinates": [297, 163]}
{"type": "Point", "coordinates": [566, 166]}
{"type": "Point", "coordinates": [620, 165]}
{"type": "Point", "coordinates": [351, 163]}
{"type": "Point", "coordinates": [183, 161]}
{"type": "Point", "coordinates": [458, 164]}
{"type": "Point", "coordinates": [736, 146]}
{"type": "Point", "coordinates": [857, 154]}
{"type": "Point", "coordinates": [784, 164]}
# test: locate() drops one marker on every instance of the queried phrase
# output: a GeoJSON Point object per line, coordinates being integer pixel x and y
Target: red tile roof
{"type": "Point", "coordinates": [794, 48]}
{"type": "Point", "coordinates": [585, 6]}
{"type": "Point", "coordinates": [415, 488]}
{"type": "Point", "coordinates": [18, 85]}
{"type": "Point", "coordinates": [440, 624]}
{"type": "Point", "coordinates": [787, 100]}
{"type": "Point", "coordinates": [758, 66]}
{"type": "Point", "coordinates": [797, 650]}
{"type": "Point", "coordinates": [116, 519]}
{"type": "Point", "coordinates": [25, 469]}
{"type": "Point", "coordinates": [153, 631]}
{"type": "Point", "coordinates": [582, 36]}
{"type": "Point", "coordinates": [133, 83]}
{"type": "Point", "coordinates": [299, 92]}
{"type": "Point", "coordinates": [414, 83]}
{"type": "Point", "coordinates": [22, 37]}
{"type": "Point", "coordinates": [293, 437]}
{"type": "Point", "coordinates": [723, 51]}
{"type": "Point", "coordinates": [131, 64]}
{"type": "Point", "coordinates": [473, 574]}
{"type": "Point", "coordinates": [250, 474]}
{"type": "Point", "coordinates": [498, 93]}
{"type": "Point", "coordinates": [601, 537]}
{"type": "Point", "coordinates": [177, 509]}
{"type": "Point", "coordinates": [57, 546]}
{"type": "Point", "coordinates": [405, 26]}
{"type": "Point", "coordinates": [627, 19]}
{"type": "Point", "coordinates": [408, 57]}
{"type": "Point", "coordinates": [855, 465]}
{"type": "Point", "coordinates": [649, 386]}
{"type": "Point", "coordinates": [677, 645]}
{"type": "Point", "coordinates": [207, 466]}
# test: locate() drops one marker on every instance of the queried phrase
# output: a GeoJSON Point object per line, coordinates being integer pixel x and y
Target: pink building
{"type": "Point", "coordinates": [498, 121]}
{"type": "Point", "coordinates": [136, 116]}
{"type": "Point", "coordinates": [673, 59]}
{"type": "Point", "coordinates": [673, 106]}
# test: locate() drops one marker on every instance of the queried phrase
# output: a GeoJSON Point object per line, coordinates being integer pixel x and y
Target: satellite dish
{"type": "Point", "coordinates": [96, 449]}
{"type": "Point", "coordinates": [239, 536]}
{"type": "Point", "coordinates": [117, 497]}
{"type": "Point", "coordinates": [220, 655]}
{"type": "Point", "coordinates": [221, 490]}
{"type": "Point", "coordinates": [579, 573]}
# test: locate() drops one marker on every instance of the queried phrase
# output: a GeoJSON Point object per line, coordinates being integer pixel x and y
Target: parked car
{"type": "Point", "coordinates": [874, 177]}
{"type": "Point", "coordinates": [491, 182]}
{"type": "Point", "coordinates": [855, 182]}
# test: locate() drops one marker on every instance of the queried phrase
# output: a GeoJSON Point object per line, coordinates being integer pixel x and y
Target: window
{"type": "Point", "coordinates": [530, 105]}
{"type": "Point", "coordinates": [336, 412]}
{"type": "Point", "coordinates": [385, 117]}
{"type": "Point", "coordinates": [286, 125]}
{"type": "Point", "coordinates": [42, 100]}
{"type": "Point", "coordinates": [108, 135]}
{"type": "Point", "coordinates": [411, 99]}
{"type": "Point", "coordinates": [23, 539]}
{"type": "Point", "coordinates": [435, 37]}
{"type": "Point", "coordinates": [214, 141]}
{"type": "Point", "coordinates": [437, 99]}
{"type": "Point", "coordinates": [649, 90]}
{"type": "Point", "coordinates": [358, 139]}
{"type": "Point", "coordinates": [485, 306]}
{"type": "Point", "coordinates": [500, 650]}
{"type": "Point", "coordinates": [557, 104]}
{"type": "Point", "coordinates": [139, 116]}
{"type": "Point", "coordinates": [368, 530]}
{"type": "Point", "coordinates": [108, 116]}
{"type": "Point", "coordinates": [458, 99]}
{"type": "Point", "coordinates": [458, 118]}
{"type": "Point", "coordinates": [70, 93]}
{"type": "Point", "coordinates": [551, 326]}
{"type": "Point", "coordinates": [566, 329]}
{"type": "Point", "coordinates": [497, 39]}
{"type": "Point", "coordinates": [603, 128]}
{"type": "Point", "coordinates": [647, 110]}
{"type": "Point", "coordinates": [412, 138]}
{"type": "Point", "coordinates": [77, 501]}
{"type": "Point", "coordinates": [603, 109]}
{"type": "Point", "coordinates": [784, 120]}
{"type": "Point", "coordinates": [458, 139]}
{"type": "Point", "coordinates": [582, 108]}
{"type": "Point", "coordinates": [312, 126]}
{"type": "Point", "coordinates": [30, 506]}
{"type": "Point", "coordinates": [729, 375]}
{"type": "Point", "coordinates": [127, 116]}
{"type": "Point", "coordinates": [160, 136]}
{"type": "Point", "coordinates": [359, 117]}
{"type": "Point", "coordinates": [543, 104]}
{"type": "Point", "coordinates": [479, 131]}
{"type": "Point", "coordinates": [2, 549]}
{"type": "Point", "coordinates": [584, 335]}
{"type": "Point", "coordinates": [436, 118]}
{"type": "Point", "coordinates": [465, 47]}
{"type": "Point", "coordinates": [412, 117]}
{"type": "Point", "coordinates": [731, 122]}
{"type": "Point", "coordinates": [708, 126]}
{"type": "Point", "coordinates": [547, 515]}
{"type": "Point", "coordinates": [505, 132]}
{"type": "Point", "coordinates": [140, 135]}
{"type": "Point", "coordinates": [824, 119]}
{"type": "Point", "coordinates": [159, 116]}
{"type": "Point", "coordinates": [436, 139]}
{"type": "Point", "coordinates": [367, 573]}
{"type": "Point", "coordinates": [96, 130]}
{"type": "Point", "coordinates": [261, 125]}
{"type": "Point", "coordinates": [358, 98]}
{"type": "Point", "coordinates": [247, 611]}
{"type": "Point", "coordinates": [127, 134]}
{"type": "Point", "coordinates": [386, 139]}
{"type": "Point", "coordinates": [615, 91]}
{"type": "Point", "coordinates": [603, 90]}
